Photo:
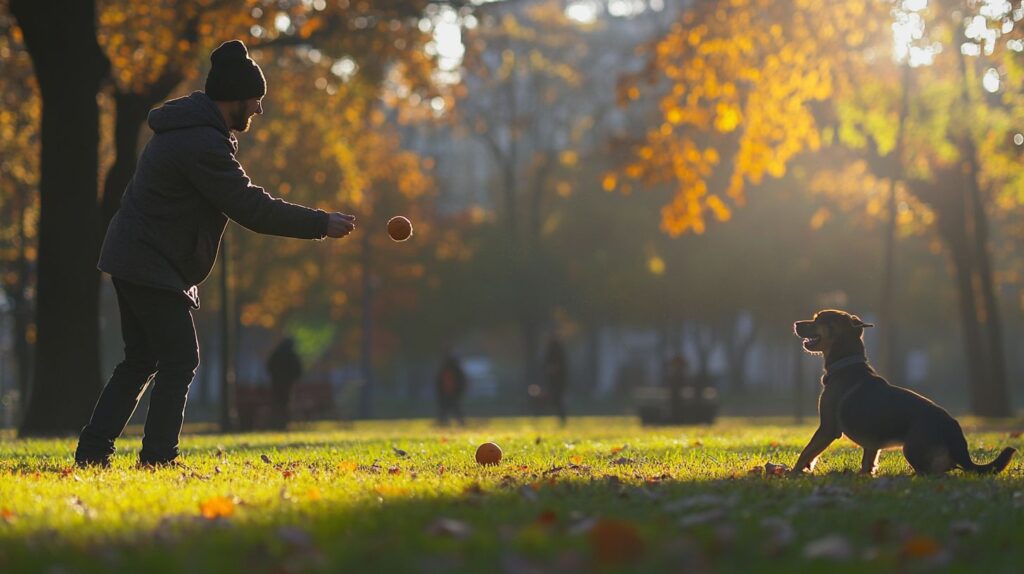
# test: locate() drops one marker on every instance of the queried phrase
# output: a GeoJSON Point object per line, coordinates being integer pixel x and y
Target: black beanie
{"type": "Point", "coordinates": [234, 76]}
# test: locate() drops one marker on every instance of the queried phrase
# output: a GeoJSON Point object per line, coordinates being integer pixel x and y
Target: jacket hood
{"type": "Point", "coordinates": [193, 110]}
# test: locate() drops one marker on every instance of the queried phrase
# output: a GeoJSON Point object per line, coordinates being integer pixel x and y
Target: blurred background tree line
{"type": "Point", "coordinates": [637, 177]}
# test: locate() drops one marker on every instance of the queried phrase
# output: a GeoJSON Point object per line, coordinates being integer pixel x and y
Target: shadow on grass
{"type": "Point", "coordinates": [575, 520]}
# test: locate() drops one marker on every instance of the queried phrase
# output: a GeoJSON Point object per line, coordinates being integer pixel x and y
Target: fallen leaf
{"type": "Point", "coordinates": [7, 516]}
{"type": "Point", "coordinates": [449, 527]}
{"type": "Point", "coordinates": [576, 459]}
{"type": "Point", "coordinates": [964, 528]}
{"type": "Point", "coordinates": [347, 466]}
{"type": "Point", "coordinates": [547, 517]}
{"type": "Point", "coordinates": [394, 470]}
{"type": "Point", "coordinates": [294, 536]}
{"type": "Point", "coordinates": [701, 518]}
{"type": "Point", "coordinates": [921, 547]}
{"type": "Point", "coordinates": [217, 507]}
{"type": "Point", "coordinates": [399, 451]}
{"type": "Point", "coordinates": [265, 458]}
{"type": "Point", "coordinates": [698, 444]}
{"type": "Point", "coordinates": [615, 542]}
{"type": "Point", "coordinates": [699, 501]}
{"type": "Point", "coordinates": [529, 492]}
{"type": "Point", "coordinates": [287, 474]}
{"type": "Point", "coordinates": [1016, 434]}
{"type": "Point", "coordinates": [771, 469]}
{"type": "Point", "coordinates": [622, 460]}
{"type": "Point", "coordinates": [79, 506]}
{"type": "Point", "coordinates": [389, 490]}
{"type": "Point", "coordinates": [780, 534]}
{"type": "Point", "coordinates": [832, 547]}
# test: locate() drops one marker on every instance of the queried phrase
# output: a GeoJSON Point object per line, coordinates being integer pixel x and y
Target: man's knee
{"type": "Point", "coordinates": [185, 361]}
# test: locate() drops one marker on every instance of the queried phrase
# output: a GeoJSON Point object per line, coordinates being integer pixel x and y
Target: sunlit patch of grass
{"type": "Point", "coordinates": [407, 496]}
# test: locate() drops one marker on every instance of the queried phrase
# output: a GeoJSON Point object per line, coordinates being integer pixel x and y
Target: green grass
{"type": "Point", "coordinates": [600, 494]}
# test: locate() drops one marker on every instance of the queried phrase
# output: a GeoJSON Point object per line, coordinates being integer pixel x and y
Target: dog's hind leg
{"type": "Point", "coordinates": [928, 455]}
{"type": "Point", "coordinates": [869, 463]}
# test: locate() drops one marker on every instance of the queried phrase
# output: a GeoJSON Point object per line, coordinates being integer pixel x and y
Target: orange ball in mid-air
{"type": "Point", "coordinates": [488, 453]}
{"type": "Point", "coordinates": [399, 228]}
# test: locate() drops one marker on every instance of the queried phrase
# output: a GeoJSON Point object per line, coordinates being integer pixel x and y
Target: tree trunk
{"type": "Point", "coordinates": [887, 306]}
{"type": "Point", "coordinates": [61, 40]}
{"type": "Point", "coordinates": [22, 305]}
{"type": "Point", "coordinates": [993, 395]}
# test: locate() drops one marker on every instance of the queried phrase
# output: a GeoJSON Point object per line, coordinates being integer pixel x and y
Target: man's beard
{"type": "Point", "coordinates": [239, 119]}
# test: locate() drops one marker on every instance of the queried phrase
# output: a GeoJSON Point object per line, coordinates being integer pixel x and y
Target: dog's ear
{"type": "Point", "coordinates": [855, 320]}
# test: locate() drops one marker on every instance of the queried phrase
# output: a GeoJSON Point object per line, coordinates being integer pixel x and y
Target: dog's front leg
{"type": "Point", "coordinates": [819, 442]}
{"type": "Point", "coordinates": [869, 463]}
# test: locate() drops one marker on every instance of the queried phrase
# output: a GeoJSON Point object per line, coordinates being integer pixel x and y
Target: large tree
{"type": "Point", "coordinates": [70, 68]}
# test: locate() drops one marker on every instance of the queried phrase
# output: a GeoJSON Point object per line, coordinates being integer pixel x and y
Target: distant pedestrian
{"type": "Point", "coordinates": [556, 377]}
{"type": "Point", "coordinates": [676, 381]}
{"type": "Point", "coordinates": [163, 242]}
{"type": "Point", "coordinates": [284, 368]}
{"type": "Point", "coordinates": [451, 384]}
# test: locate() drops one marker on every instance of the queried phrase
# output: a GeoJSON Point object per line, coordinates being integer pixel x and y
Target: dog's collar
{"type": "Point", "coordinates": [843, 363]}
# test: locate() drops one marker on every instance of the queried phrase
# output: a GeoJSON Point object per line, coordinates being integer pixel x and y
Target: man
{"type": "Point", "coordinates": [451, 383]}
{"type": "Point", "coordinates": [163, 242]}
{"type": "Point", "coordinates": [285, 369]}
{"type": "Point", "coordinates": [556, 377]}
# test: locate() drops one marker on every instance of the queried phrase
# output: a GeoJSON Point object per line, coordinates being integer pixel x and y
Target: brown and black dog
{"type": "Point", "coordinates": [855, 401]}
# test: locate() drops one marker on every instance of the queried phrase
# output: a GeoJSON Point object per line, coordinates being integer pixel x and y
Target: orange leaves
{"type": "Point", "coordinates": [744, 78]}
{"type": "Point", "coordinates": [217, 507]}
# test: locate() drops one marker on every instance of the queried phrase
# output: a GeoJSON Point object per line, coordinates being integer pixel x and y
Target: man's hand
{"type": "Point", "coordinates": [339, 224]}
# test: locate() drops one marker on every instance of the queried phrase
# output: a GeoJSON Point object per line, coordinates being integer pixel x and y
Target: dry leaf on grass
{"type": "Point", "coordinates": [964, 528]}
{"type": "Point", "coordinates": [217, 507]}
{"type": "Point", "coordinates": [387, 490]}
{"type": "Point", "coordinates": [614, 542]}
{"type": "Point", "coordinates": [449, 527]}
{"type": "Point", "coordinates": [832, 547]}
{"type": "Point", "coordinates": [920, 547]}
{"type": "Point", "coordinates": [779, 534]}
{"type": "Point", "coordinates": [265, 458]}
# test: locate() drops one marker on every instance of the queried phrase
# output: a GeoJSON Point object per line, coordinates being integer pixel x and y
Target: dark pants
{"type": "Point", "coordinates": [280, 398]}
{"type": "Point", "coordinates": [159, 337]}
{"type": "Point", "coordinates": [558, 402]}
{"type": "Point", "coordinates": [449, 405]}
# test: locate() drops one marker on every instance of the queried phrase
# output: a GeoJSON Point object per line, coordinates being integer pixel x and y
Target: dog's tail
{"type": "Point", "coordinates": [958, 451]}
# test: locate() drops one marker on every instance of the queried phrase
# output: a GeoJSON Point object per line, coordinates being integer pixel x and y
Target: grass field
{"type": "Point", "coordinates": [602, 494]}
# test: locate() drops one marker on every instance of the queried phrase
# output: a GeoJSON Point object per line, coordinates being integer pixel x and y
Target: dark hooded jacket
{"type": "Point", "coordinates": [186, 187]}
